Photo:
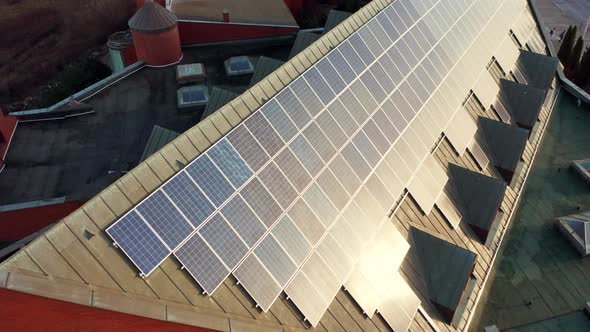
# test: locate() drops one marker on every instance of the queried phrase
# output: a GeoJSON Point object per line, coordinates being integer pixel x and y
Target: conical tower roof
{"type": "Point", "coordinates": [152, 17]}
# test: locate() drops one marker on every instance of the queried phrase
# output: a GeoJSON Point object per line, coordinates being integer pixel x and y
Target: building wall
{"type": "Point", "coordinates": [158, 49]}
{"type": "Point", "coordinates": [7, 127]}
{"type": "Point", "coordinates": [199, 33]}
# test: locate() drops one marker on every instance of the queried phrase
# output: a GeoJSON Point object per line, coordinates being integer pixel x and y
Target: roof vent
{"type": "Point", "coordinates": [226, 15]}
{"type": "Point", "coordinates": [88, 234]}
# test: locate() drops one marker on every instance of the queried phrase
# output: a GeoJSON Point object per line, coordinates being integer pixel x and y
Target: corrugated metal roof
{"type": "Point", "coordinates": [538, 69]}
{"type": "Point", "coordinates": [504, 142]}
{"type": "Point", "coordinates": [152, 17]}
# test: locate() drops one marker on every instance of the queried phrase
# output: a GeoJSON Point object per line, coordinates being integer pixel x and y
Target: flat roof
{"type": "Point", "coordinates": [258, 12]}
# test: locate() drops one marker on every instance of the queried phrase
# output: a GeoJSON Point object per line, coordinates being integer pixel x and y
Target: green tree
{"type": "Point", "coordinates": [567, 44]}
{"type": "Point", "coordinates": [573, 62]}
{"type": "Point", "coordinates": [583, 73]}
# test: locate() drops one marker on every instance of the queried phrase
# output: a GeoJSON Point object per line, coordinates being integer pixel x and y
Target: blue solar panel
{"type": "Point", "coordinates": [331, 75]}
{"type": "Point", "coordinates": [230, 163]}
{"type": "Point", "coordinates": [307, 96]}
{"type": "Point", "coordinates": [319, 142]}
{"type": "Point", "coordinates": [361, 49]}
{"type": "Point", "coordinates": [352, 57]}
{"type": "Point", "coordinates": [369, 39]}
{"type": "Point", "coordinates": [165, 219]}
{"type": "Point", "coordinates": [293, 108]}
{"type": "Point", "coordinates": [355, 109]}
{"type": "Point", "coordinates": [366, 148]}
{"type": "Point", "coordinates": [292, 239]}
{"type": "Point", "coordinates": [306, 221]}
{"type": "Point", "coordinates": [210, 179]}
{"type": "Point", "coordinates": [189, 199]}
{"type": "Point", "coordinates": [243, 220]}
{"type": "Point", "coordinates": [202, 264]}
{"type": "Point", "coordinates": [344, 68]}
{"type": "Point", "coordinates": [319, 85]}
{"type": "Point", "coordinates": [224, 241]}
{"type": "Point", "coordinates": [138, 242]}
{"type": "Point", "coordinates": [293, 169]}
{"type": "Point", "coordinates": [279, 119]}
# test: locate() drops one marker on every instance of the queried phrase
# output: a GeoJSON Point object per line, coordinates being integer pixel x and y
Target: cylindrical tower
{"type": "Point", "coordinates": [155, 34]}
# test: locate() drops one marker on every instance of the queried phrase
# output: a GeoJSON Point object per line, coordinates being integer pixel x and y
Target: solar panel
{"type": "Point", "coordinates": [258, 282]}
{"type": "Point", "coordinates": [306, 221]}
{"type": "Point", "coordinates": [293, 107]}
{"type": "Point", "coordinates": [188, 198]}
{"type": "Point", "coordinates": [248, 147]}
{"type": "Point", "coordinates": [321, 205]}
{"type": "Point", "coordinates": [306, 298]}
{"type": "Point", "coordinates": [291, 238]}
{"type": "Point", "coordinates": [252, 177]}
{"type": "Point", "coordinates": [293, 169]}
{"type": "Point", "coordinates": [261, 201]}
{"type": "Point", "coordinates": [264, 133]}
{"type": "Point", "coordinates": [243, 220]}
{"type": "Point", "coordinates": [276, 260]}
{"type": "Point", "coordinates": [224, 241]}
{"type": "Point", "coordinates": [165, 219]}
{"type": "Point", "coordinates": [202, 263]}
{"type": "Point", "coordinates": [139, 242]}
{"type": "Point", "coordinates": [278, 185]}
{"type": "Point", "coordinates": [279, 120]}
{"type": "Point", "coordinates": [307, 155]}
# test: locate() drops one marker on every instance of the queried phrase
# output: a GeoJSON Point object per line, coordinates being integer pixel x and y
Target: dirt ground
{"type": "Point", "coordinates": [39, 37]}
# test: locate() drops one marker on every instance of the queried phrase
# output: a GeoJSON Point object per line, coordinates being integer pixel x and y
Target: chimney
{"type": "Point", "coordinates": [226, 15]}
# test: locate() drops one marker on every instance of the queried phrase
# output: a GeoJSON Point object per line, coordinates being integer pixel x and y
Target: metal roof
{"type": "Point", "coordinates": [264, 67]}
{"type": "Point", "coordinates": [479, 196]}
{"type": "Point", "coordinates": [538, 69]}
{"type": "Point", "coordinates": [159, 137]}
{"type": "Point", "coordinates": [152, 17]}
{"type": "Point", "coordinates": [335, 17]}
{"type": "Point", "coordinates": [446, 267]}
{"type": "Point", "coordinates": [217, 99]}
{"type": "Point", "coordinates": [303, 40]}
{"type": "Point", "coordinates": [522, 101]}
{"type": "Point", "coordinates": [504, 142]}
{"type": "Point", "coordinates": [256, 12]}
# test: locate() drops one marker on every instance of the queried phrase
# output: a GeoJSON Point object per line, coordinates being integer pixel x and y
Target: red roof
{"type": "Point", "coordinates": [7, 128]}
{"type": "Point", "coordinates": [16, 224]}
{"type": "Point", "coordinates": [25, 312]}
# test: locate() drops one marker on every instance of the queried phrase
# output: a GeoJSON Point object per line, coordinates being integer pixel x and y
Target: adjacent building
{"type": "Point", "coordinates": [366, 184]}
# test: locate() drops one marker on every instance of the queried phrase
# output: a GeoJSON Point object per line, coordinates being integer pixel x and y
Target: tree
{"type": "Point", "coordinates": [583, 73]}
{"type": "Point", "coordinates": [567, 44]}
{"type": "Point", "coordinates": [573, 62]}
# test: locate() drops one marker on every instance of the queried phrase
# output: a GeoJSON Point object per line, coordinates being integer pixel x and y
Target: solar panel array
{"type": "Point", "coordinates": [288, 198]}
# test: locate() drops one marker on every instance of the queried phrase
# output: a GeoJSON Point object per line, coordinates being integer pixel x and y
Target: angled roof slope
{"type": "Point", "coordinates": [538, 69]}
{"type": "Point", "coordinates": [64, 264]}
{"type": "Point", "coordinates": [159, 137]}
{"type": "Point", "coordinates": [303, 40]}
{"type": "Point", "coordinates": [522, 101]}
{"type": "Point", "coordinates": [479, 198]}
{"type": "Point", "coordinates": [264, 67]}
{"type": "Point", "coordinates": [446, 268]}
{"type": "Point", "coordinates": [504, 142]}
{"type": "Point", "coordinates": [335, 17]}
{"type": "Point", "coordinates": [217, 99]}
